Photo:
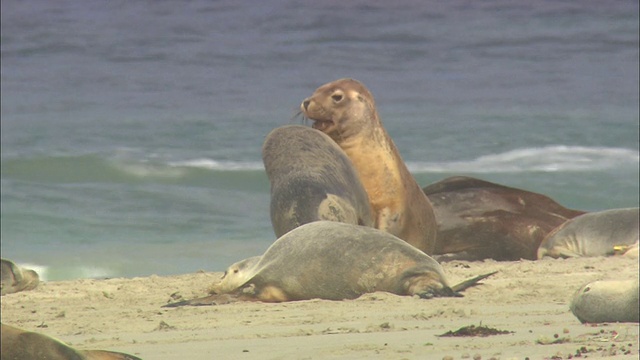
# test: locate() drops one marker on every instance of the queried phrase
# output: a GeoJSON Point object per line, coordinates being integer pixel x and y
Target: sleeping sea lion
{"type": "Point", "coordinates": [479, 219]}
{"type": "Point", "coordinates": [333, 261]}
{"type": "Point", "coordinates": [598, 233]}
{"type": "Point", "coordinates": [19, 344]}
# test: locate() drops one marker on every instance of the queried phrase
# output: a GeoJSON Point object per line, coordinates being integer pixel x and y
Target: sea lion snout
{"type": "Point", "coordinates": [318, 114]}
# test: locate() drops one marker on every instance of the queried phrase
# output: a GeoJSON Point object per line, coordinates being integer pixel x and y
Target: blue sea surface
{"type": "Point", "coordinates": [131, 131]}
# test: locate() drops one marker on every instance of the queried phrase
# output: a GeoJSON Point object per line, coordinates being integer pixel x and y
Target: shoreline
{"type": "Point", "coordinates": [528, 298]}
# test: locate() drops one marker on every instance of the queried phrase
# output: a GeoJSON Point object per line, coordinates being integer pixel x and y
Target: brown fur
{"type": "Point", "coordinates": [488, 220]}
{"type": "Point", "coordinates": [18, 344]}
{"type": "Point", "coordinates": [345, 110]}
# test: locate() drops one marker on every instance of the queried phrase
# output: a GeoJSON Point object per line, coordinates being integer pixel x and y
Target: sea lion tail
{"type": "Point", "coordinates": [470, 282]}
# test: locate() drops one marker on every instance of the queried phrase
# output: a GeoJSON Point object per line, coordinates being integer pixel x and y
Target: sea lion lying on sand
{"type": "Point", "coordinates": [607, 301]}
{"type": "Point", "coordinates": [488, 220]}
{"type": "Point", "coordinates": [18, 344]}
{"type": "Point", "coordinates": [598, 233]}
{"type": "Point", "coordinates": [333, 261]}
{"type": "Point", "coordinates": [15, 279]}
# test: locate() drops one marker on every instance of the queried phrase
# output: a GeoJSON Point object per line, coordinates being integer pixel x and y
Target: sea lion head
{"type": "Point", "coordinates": [235, 276]}
{"type": "Point", "coordinates": [341, 108]}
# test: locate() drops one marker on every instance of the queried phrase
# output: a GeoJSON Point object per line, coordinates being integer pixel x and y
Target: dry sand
{"type": "Point", "coordinates": [528, 298]}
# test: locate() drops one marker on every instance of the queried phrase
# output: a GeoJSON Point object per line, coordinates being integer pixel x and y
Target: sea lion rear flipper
{"type": "Point", "coordinates": [444, 292]}
{"type": "Point", "coordinates": [107, 355]}
{"type": "Point", "coordinates": [217, 299]}
{"type": "Point", "coordinates": [470, 282]}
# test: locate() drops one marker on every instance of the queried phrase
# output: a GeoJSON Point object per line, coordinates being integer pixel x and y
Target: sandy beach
{"type": "Point", "coordinates": [529, 299]}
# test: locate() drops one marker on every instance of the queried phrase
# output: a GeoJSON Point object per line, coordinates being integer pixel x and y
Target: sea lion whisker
{"type": "Point", "coordinates": [297, 115]}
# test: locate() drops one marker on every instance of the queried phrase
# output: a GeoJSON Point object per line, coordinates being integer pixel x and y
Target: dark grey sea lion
{"type": "Point", "coordinates": [597, 233]}
{"type": "Point", "coordinates": [333, 261]}
{"type": "Point", "coordinates": [311, 179]}
{"type": "Point", "coordinates": [481, 219]}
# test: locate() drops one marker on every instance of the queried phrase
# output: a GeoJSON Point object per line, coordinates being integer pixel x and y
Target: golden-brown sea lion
{"type": "Point", "coordinates": [333, 261]}
{"type": "Point", "coordinates": [15, 279]}
{"type": "Point", "coordinates": [345, 110]}
{"type": "Point", "coordinates": [597, 233]}
{"type": "Point", "coordinates": [478, 219]}
{"type": "Point", "coordinates": [18, 344]}
{"type": "Point", "coordinates": [311, 179]}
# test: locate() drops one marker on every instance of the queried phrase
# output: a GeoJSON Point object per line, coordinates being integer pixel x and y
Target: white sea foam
{"type": "Point", "coordinates": [46, 273]}
{"type": "Point", "coordinates": [41, 270]}
{"type": "Point", "coordinates": [546, 159]}
{"type": "Point", "coordinates": [92, 272]}
{"type": "Point", "coordinates": [147, 170]}
{"type": "Point", "coordinates": [211, 164]}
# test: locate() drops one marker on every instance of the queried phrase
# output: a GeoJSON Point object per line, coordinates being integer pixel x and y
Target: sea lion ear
{"type": "Point", "coordinates": [360, 98]}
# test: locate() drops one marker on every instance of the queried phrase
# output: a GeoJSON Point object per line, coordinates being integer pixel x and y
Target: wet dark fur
{"type": "Point", "coordinates": [488, 220]}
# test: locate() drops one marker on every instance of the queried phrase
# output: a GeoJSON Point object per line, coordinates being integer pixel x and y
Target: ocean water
{"type": "Point", "coordinates": [131, 131]}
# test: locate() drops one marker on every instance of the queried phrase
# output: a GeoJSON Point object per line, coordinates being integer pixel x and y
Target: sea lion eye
{"type": "Point", "coordinates": [235, 271]}
{"type": "Point", "coordinates": [336, 97]}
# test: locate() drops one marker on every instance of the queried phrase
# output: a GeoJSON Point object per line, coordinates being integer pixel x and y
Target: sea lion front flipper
{"type": "Point", "coordinates": [470, 282]}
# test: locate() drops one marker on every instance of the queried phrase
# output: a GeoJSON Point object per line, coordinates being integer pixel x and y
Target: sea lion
{"type": "Point", "coordinates": [333, 261]}
{"type": "Point", "coordinates": [311, 179]}
{"type": "Point", "coordinates": [15, 279]}
{"type": "Point", "coordinates": [606, 301]}
{"type": "Point", "coordinates": [593, 234]}
{"type": "Point", "coordinates": [479, 219]}
{"type": "Point", "coordinates": [345, 110]}
{"type": "Point", "coordinates": [19, 344]}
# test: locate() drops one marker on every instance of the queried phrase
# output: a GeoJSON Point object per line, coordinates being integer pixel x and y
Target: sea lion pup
{"type": "Point", "coordinates": [333, 261]}
{"type": "Point", "coordinates": [18, 344]}
{"type": "Point", "coordinates": [345, 110]}
{"type": "Point", "coordinates": [15, 279]}
{"type": "Point", "coordinates": [607, 301]}
{"type": "Point", "coordinates": [479, 219]}
{"type": "Point", "coordinates": [311, 179]}
{"type": "Point", "coordinates": [598, 233]}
